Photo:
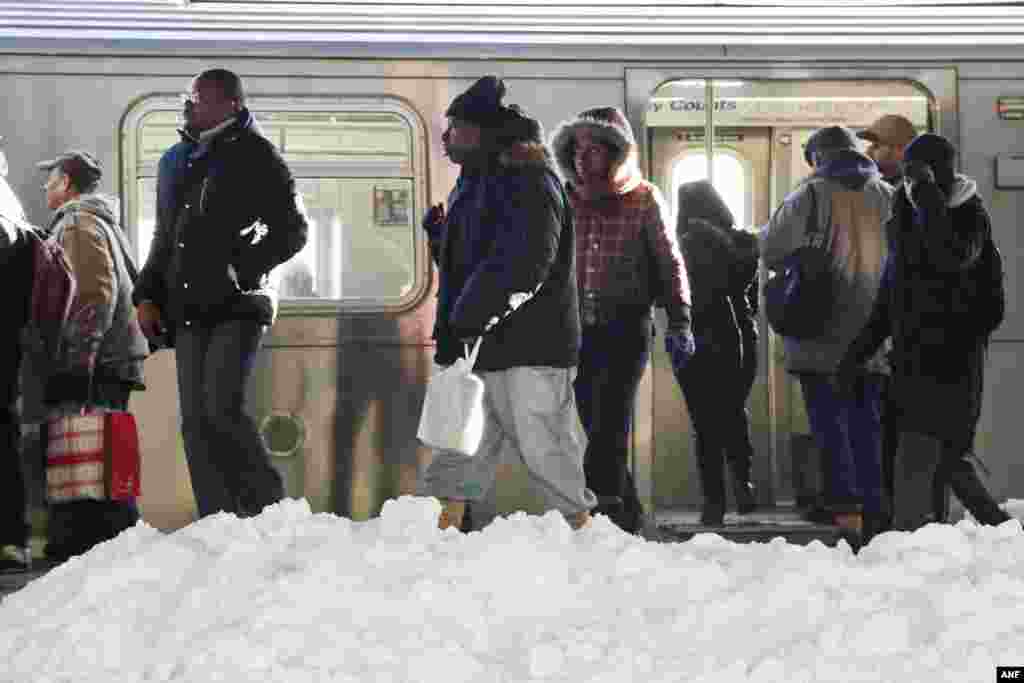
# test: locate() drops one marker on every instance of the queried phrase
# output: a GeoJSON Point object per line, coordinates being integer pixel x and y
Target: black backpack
{"type": "Point", "coordinates": [986, 290]}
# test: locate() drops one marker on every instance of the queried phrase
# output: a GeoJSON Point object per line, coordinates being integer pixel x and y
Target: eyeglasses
{"type": "Point", "coordinates": [189, 98]}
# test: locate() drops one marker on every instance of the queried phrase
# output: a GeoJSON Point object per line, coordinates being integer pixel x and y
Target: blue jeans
{"type": "Point", "coordinates": [848, 429]}
{"type": "Point", "coordinates": [227, 460]}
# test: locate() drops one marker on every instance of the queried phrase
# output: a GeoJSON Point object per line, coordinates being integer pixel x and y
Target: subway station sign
{"type": "Point", "coordinates": [785, 111]}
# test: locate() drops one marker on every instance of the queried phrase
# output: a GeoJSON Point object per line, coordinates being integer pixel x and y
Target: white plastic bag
{"type": "Point", "coordinates": [453, 409]}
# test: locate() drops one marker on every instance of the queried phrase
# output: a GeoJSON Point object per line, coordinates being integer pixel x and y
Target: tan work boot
{"type": "Point", "coordinates": [850, 521]}
{"type": "Point", "coordinates": [452, 512]}
{"type": "Point", "coordinates": [579, 520]}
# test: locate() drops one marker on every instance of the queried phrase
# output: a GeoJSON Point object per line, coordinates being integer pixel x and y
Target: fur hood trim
{"type": "Point", "coordinates": [624, 151]}
{"type": "Point", "coordinates": [523, 154]}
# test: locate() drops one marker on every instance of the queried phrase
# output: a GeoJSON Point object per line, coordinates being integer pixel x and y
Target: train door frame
{"type": "Point", "coordinates": [641, 83]}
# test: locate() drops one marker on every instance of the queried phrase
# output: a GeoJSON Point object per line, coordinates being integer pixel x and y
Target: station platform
{"type": "Point", "coordinates": [676, 525]}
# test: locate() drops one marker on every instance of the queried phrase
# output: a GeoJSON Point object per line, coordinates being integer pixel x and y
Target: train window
{"type": "Point", "coordinates": [360, 177]}
{"type": "Point", "coordinates": [730, 180]}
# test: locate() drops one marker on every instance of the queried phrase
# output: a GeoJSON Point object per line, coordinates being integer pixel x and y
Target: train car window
{"type": "Point", "coordinates": [360, 176]}
{"type": "Point", "coordinates": [730, 175]}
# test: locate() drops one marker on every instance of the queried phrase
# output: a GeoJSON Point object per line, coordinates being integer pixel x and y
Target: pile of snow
{"type": "Point", "coordinates": [298, 597]}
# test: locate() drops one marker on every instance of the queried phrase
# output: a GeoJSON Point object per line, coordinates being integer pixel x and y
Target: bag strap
{"type": "Point", "coordinates": [813, 228]}
{"type": "Point", "coordinates": [471, 354]}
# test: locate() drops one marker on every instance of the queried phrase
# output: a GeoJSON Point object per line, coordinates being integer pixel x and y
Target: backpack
{"type": "Point", "coordinates": [800, 293]}
{"type": "Point", "coordinates": [986, 290]}
{"type": "Point", "coordinates": [53, 291]}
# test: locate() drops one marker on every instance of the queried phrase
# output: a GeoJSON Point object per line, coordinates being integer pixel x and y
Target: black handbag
{"type": "Point", "coordinates": [800, 292]}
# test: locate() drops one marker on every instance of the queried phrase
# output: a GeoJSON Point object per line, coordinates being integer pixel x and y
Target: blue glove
{"type": "Point", "coordinates": [680, 348]}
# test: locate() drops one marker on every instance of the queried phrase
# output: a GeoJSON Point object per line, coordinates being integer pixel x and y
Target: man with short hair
{"type": "Point", "coordinates": [227, 213]}
{"type": "Point", "coordinates": [505, 251]}
{"type": "Point", "coordinates": [887, 138]}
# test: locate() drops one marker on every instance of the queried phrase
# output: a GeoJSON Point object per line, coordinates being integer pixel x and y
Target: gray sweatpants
{"type": "Point", "coordinates": [532, 409]}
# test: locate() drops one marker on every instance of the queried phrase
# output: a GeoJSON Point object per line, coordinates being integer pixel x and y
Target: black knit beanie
{"type": "Point", "coordinates": [481, 104]}
{"type": "Point", "coordinates": [937, 152]}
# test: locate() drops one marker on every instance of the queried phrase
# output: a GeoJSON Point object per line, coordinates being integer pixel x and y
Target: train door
{"type": "Point", "coordinates": [742, 174]}
{"type": "Point", "coordinates": [745, 133]}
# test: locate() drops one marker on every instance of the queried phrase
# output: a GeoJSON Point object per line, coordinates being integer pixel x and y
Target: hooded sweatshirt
{"type": "Point", "coordinates": [852, 205]}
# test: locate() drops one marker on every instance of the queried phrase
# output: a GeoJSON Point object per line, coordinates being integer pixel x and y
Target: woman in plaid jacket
{"type": "Point", "coordinates": [626, 259]}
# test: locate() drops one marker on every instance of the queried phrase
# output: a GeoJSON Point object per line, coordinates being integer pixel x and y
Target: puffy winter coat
{"type": "Point", "coordinates": [508, 237]}
{"type": "Point", "coordinates": [852, 206]}
{"type": "Point", "coordinates": [227, 213]}
{"type": "Point", "coordinates": [938, 354]}
{"type": "Point", "coordinates": [102, 342]}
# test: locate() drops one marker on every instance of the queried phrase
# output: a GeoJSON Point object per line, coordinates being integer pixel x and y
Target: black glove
{"type": "Point", "coordinates": [433, 219]}
{"type": "Point", "coordinates": [918, 172]}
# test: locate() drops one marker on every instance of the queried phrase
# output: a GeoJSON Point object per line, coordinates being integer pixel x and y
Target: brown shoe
{"type": "Point", "coordinates": [852, 522]}
{"type": "Point", "coordinates": [452, 512]}
{"type": "Point", "coordinates": [579, 520]}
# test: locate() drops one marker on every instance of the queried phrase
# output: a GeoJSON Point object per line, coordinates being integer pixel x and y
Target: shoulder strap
{"type": "Point", "coordinates": [813, 225]}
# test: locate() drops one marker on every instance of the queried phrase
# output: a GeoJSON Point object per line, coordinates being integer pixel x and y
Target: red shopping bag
{"type": "Point", "coordinates": [94, 456]}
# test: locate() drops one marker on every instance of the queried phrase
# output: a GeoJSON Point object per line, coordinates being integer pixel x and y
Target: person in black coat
{"type": "Point", "coordinates": [722, 265]}
{"type": "Point", "coordinates": [228, 213]}
{"type": "Point", "coordinates": [940, 310]}
{"type": "Point", "coordinates": [505, 252]}
{"type": "Point", "coordinates": [16, 260]}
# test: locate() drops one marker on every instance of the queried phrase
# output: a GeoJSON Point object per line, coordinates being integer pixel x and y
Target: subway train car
{"type": "Point", "coordinates": [353, 94]}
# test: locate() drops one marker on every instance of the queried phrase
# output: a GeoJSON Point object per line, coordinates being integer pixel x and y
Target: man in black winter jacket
{"type": "Point", "coordinates": [228, 213]}
{"type": "Point", "coordinates": [505, 253]}
{"type": "Point", "coordinates": [933, 307]}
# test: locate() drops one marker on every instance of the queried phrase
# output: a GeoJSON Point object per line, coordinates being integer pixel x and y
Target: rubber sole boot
{"type": "Point", "coordinates": [968, 487]}
{"type": "Point", "coordinates": [452, 512]}
{"type": "Point", "coordinates": [746, 498]}
{"type": "Point", "coordinates": [851, 528]}
{"type": "Point", "coordinates": [914, 474]}
{"type": "Point", "coordinates": [579, 520]}
{"type": "Point", "coordinates": [874, 523]}
{"type": "Point", "coordinates": [712, 513]}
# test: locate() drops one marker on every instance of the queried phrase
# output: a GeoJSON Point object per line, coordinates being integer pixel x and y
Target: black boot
{"type": "Point", "coordinates": [874, 523]}
{"type": "Point", "coordinates": [915, 470]}
{"type": "Point", "coordinates": [968, 487]}
{"type": "Point", "coordinates": [746, 496]}
{"type": "Point", "coordinates": [711, 463]}
{"type": "Point", "coordinates": [712, 513]}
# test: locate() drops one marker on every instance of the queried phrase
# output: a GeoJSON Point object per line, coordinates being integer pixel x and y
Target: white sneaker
{"type": "Point", "coordinates": [15, 559]}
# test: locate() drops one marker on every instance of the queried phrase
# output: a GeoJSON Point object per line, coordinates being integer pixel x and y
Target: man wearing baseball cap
{"type": "Point", "coordinates": [102, 352]}
{"type": "Point", "coordinates": [887, 138]}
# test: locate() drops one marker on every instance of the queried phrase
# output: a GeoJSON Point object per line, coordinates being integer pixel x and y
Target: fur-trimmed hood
{"type": "Point", "coordinates": [526, 154]}
{"type": "Point", "coordinates": [624, 153]}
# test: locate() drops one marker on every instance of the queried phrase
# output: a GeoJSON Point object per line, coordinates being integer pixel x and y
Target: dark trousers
{"type": "Point", "coordinates": [14, 528]}
{"type": "Point", "coordinates": [73, 528]}
{"type": "Point", "coordinates": [848, 429]}
{"type": "Point", "coordinates": [716, 387]}
{"type": "Point", "coordinates": [612, 360]}
{"type": "Point", "coordinates": [227, 460]}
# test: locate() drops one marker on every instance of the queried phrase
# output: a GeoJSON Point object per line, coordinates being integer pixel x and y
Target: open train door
{"type": "Point", "coordinates": [743, 128]}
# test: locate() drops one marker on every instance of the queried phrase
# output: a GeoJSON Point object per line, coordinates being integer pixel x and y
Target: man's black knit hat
{"type": "Point", "coordinates": [481, 104]}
